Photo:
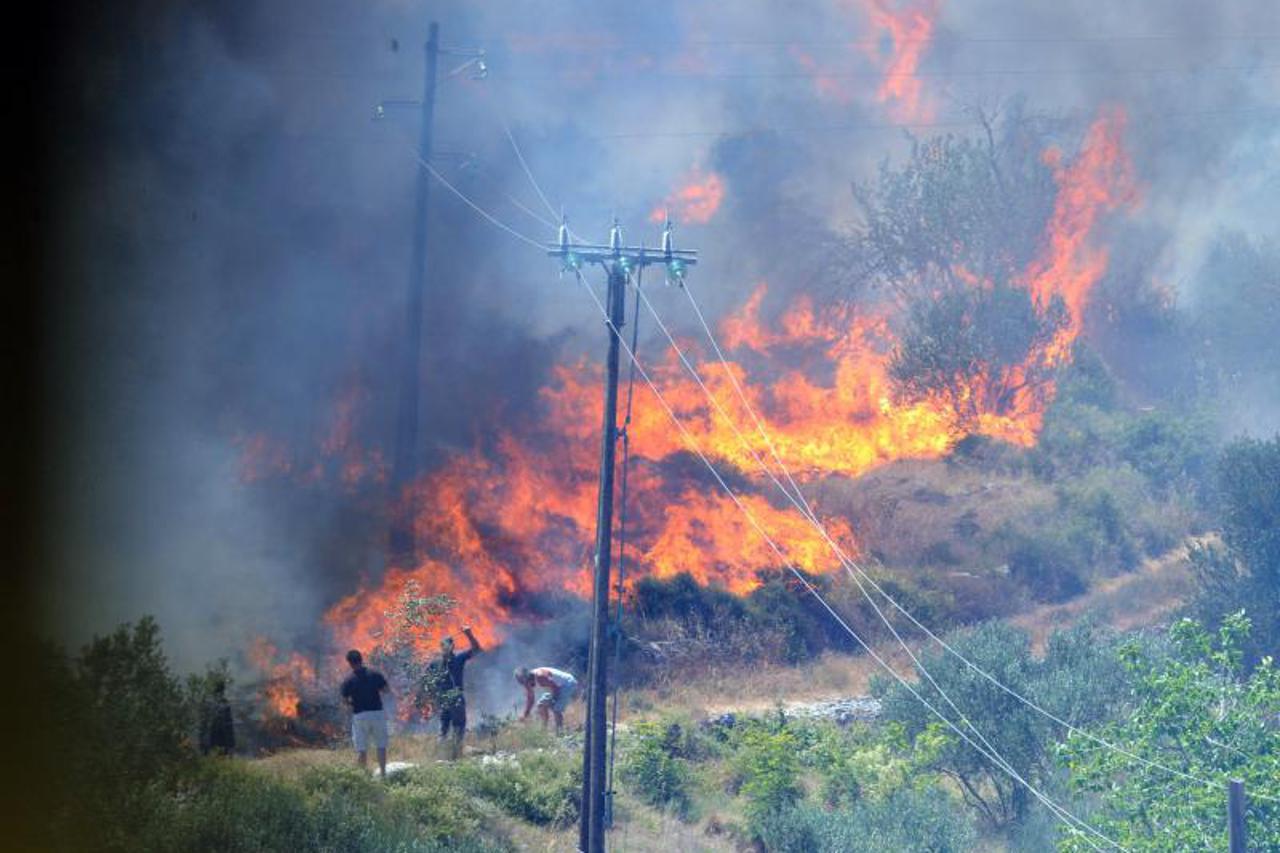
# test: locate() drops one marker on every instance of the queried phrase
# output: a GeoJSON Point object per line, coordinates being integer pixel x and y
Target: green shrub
{"type": "Point", "coordinates": [228, 806]}
{"type": "Point", "coordinates": [118, 724]}
{"type": "Point", "coordinates": [909, 821]}
{"type": "Point", "coordinates": [1104, 520]}
{"type": "Point", "coordinates": [1245, 573]}
{"type": "Point", "coordinates": [778, 621]}
{"type": "Point", "coordinates": [654, 768]}
{"type": "Point", "coordinates": [1078, 679]}
{"type": "Point", "coordinates": [766, 762]}
{"type": "Point", "coordinates": [1171, 449]}
{"type": "Point", "coordinates": [544, 788]}
{"type": "Point", "coordinates": [1201, 713]}
{"type": "Point", "coordinates": [872, 762]}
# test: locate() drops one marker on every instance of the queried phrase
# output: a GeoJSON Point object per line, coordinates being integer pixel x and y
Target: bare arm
{"type": "Point", "coordinates": [528, 701]}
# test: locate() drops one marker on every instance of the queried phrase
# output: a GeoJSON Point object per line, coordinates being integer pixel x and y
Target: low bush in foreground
{"type": "Point", "coordinates": [907, 821]}
{"type": "Point", "coordinates": [654, 767]}
{"type": "Point", "coordinates": [543, 788]}
{"type": "Point", "coordinates": [228, 806]}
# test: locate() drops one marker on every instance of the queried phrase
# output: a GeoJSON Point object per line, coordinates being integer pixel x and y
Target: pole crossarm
{"type": "Point", "coordinates": [628, 256]}
{"type": "Point", "coordinates": [574, 255]}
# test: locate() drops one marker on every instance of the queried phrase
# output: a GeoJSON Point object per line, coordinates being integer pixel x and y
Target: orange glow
{"type": "Point", "coordinates": [706, 535]}
{"type": "Point", "coordinates": [695, 202]}
{"type": "Point", "coordinates": [507, 525]}
{"type": "Point", "coordinates": [337, 453]}
{"type": "Point", "coordinates": [825, 83]}
{"type": "Point", "coordinates": [262, 456]}
{"type": "Point", "coordinates": [282, 679]}
{"type": "Point", "coordinates": [908, 31]}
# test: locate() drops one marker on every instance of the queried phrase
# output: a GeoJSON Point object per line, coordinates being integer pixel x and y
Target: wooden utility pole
{"type": "Point", "coordinates": [1235, 816]}
{"type": "Point", "coordinates": [404, 466]}
{"type": "Point", "coordinates": [618, 262]}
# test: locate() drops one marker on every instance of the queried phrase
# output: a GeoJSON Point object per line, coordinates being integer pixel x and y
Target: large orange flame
{"type": "Point", "coordinates": [1099, 181]}
{"type": "Point", "coordinates": [283, 677]}
{"type": "Point", "coordinates": [506, 526]}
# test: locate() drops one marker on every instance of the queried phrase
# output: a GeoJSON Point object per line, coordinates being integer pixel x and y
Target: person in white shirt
{"type": "Point", "coordinates": [560, 689]}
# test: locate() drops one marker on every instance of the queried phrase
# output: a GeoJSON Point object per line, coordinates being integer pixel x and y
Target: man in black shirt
{"type": "Point", "coordinates": [362, 691]}
{"type": "Point", "coordinates": [444, 684]}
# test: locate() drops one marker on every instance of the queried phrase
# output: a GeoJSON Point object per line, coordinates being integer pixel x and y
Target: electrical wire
{"type": "Point", "coordinates": [807, 513]}
{"type": "Point", "coordinates": [488, 217]}
{"type": "Point", "coordinates": [1072, 822]}
{"type": "Point", "coordinates": [851, 566]}
{"type": "Point", "coordinates": [801, 504]}
{"type": "Point", "coordinates": [528, 173]}
{"type": "Point", "coordinates": [525, 166]}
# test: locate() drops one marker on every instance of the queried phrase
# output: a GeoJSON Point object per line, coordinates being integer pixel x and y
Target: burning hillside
{"type": "Point", "coordinates": [506, 524]}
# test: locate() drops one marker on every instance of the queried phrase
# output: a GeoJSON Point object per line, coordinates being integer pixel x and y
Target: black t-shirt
{"type": "Point", "coordinates": [454, 664]}
{"type": "Point", "coordinates": [442, 682]}
{"type": "Point", "coordinates": [363, 688]}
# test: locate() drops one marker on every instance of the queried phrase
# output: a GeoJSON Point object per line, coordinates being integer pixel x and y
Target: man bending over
{"type": "Point", "coordinates": [560, 689]}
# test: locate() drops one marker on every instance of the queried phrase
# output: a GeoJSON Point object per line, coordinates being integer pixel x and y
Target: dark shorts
{"type": "Point", "coordinates": [453, 716]}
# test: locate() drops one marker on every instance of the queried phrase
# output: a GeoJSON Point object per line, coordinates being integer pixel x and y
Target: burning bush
{"type": "Point", "coordinates": [403, 653]}
{"type": "Point", "coordinates": [974, 351]}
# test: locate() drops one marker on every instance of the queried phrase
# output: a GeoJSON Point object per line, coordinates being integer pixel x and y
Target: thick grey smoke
{"type": "Point", "coordinates": [233, 228]}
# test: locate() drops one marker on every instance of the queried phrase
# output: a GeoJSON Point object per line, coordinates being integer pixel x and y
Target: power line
{"type": "Point", "coordinates": [477, 208]}
{"type": "Point", "coordinates": [1073, 823]}
{"type": "Point", "coordinates": [850, 565]}
{"type": "Point", "coordinates": [807, 513]}
{"type": "Point", "coordinates": [845, 560]}
{"type": "Point", "coordinates": [525, 166]}
{"type": "Point", "coordinates": [877, 75]}
{"type": "Point", "coordinates": [956, 124]}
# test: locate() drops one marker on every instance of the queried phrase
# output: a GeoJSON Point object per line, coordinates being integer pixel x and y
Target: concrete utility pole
{"type": "Point", "coordinates": [404, 466]}
{"type": "Point", "coordinates": [618, 262]}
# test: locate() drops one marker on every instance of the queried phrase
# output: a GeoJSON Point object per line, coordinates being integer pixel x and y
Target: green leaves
{"type": "Point", "coordinates": [1079, 679]}
{"type": "Point", "coordinates": [1198, 713]}
{"type": "Point", "coordinates": [653, 766]}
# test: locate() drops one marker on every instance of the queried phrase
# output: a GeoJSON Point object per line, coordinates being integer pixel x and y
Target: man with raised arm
{"type": "Point", "coordinates": [444, 684]}
{"type": "Point", "coordinates": [560, 689]}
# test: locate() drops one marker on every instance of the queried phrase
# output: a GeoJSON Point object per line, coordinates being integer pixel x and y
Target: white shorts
{"type": "Point", "coordinates": [369, 726]}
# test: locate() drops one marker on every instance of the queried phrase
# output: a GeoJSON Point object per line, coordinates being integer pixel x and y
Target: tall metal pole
{"type": "Point", "coordinates": [405, 461]}
{"type": "Point", "coordinates": [1235, 816]}
{"type": "Point", "coordinates": [591, 832]}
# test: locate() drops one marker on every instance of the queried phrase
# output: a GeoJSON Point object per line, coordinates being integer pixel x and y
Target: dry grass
{"type": "Point", "coordinates": [760, 688]}
{"type": "Point", "coordinates": [912, 512]}
{"type": "Point", "coordinates": [1145, 596]}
